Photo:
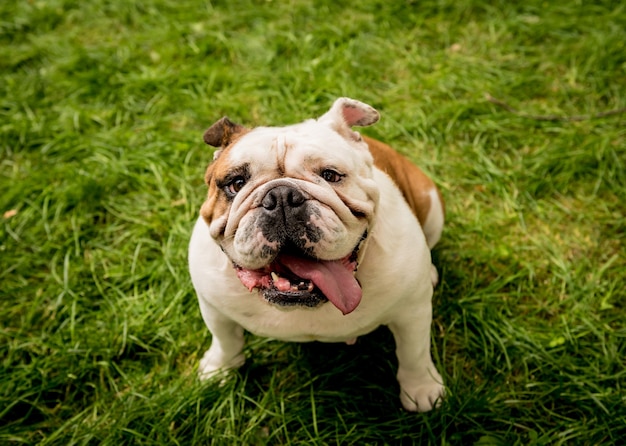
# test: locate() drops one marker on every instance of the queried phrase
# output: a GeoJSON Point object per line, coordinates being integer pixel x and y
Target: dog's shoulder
{"type": "Point", "coordinates": [416, 187]}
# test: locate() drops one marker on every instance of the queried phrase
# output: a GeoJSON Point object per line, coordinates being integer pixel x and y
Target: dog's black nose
{"type": "Point", "coordinates": [286, 218]}
{"type": "Point", "coordinates": [282, 197]}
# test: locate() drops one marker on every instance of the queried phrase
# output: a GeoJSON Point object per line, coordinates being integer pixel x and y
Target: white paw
{"type": "Point", "coordinates": [422, 397]}
{"type": "Point", "coordinates": [214, 364]}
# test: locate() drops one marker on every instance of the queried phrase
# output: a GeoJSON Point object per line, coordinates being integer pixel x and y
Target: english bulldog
{"type": "Point", "coordinates": [312, 232]}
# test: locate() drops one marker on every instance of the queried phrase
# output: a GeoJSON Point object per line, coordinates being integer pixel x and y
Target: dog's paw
{"type": "Point", "coordinates": [422, 397]}
{"type": "Point", "coordinates": [213, 364]}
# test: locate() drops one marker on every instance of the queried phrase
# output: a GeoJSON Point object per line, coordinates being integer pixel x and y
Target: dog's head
{"type": "Point", "coordinates": [290, 206]}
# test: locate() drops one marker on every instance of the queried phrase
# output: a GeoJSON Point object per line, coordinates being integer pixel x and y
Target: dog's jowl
{"type": "Point", "coordinates": [313, 232]}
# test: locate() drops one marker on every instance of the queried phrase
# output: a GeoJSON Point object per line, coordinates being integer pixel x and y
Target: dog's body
{"type": "Point", "coordinates": [304, 237]}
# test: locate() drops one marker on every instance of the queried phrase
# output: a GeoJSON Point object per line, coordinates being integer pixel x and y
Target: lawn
{"type": "Point", "coordinates": [507, 105]}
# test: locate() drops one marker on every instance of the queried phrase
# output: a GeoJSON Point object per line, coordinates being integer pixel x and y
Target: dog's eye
{"type": "Point", "coordinates": [331, 176]}
{"type": "Point", "coordinates": [235, 185]}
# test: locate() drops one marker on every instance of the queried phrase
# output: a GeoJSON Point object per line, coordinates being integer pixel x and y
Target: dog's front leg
{"type": "Point", "coordinates": [226, 346]}
{"type": "Point", "coordinates": [421, 386]}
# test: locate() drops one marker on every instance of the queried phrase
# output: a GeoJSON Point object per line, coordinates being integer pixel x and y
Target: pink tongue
{"type": "Point", "coordinates": [332, 277]}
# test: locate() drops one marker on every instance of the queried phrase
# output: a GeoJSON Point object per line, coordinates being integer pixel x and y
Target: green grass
{"type": "Point", "coordinates": [102, 109]}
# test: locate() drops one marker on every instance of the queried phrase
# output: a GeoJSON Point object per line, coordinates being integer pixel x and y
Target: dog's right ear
{"type": "Point", "coordinates": [346, 113]}
{"type": "Point", "coordinates": [222, 133]}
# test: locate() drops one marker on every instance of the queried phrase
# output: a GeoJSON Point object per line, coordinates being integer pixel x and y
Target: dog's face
{"type": "Point", "coordinates": [290, 206]}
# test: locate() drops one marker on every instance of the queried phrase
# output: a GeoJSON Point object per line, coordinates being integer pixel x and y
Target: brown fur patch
{"type": "Point", "coordinates": [216, 203]}
{"type": "Point", "coordinates": [413, 183]}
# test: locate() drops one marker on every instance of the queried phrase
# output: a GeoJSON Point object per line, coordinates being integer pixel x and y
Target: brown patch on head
{"type": "Point", "coordinates": [222, 134]}
{"type": "Point", "coordinates": [216, 203]}
{"type": "Point", "coordinates": [412, 182]}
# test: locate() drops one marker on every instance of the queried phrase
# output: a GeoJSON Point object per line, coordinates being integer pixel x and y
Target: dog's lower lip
{"type": "Point", "coordinates": [291, 299]}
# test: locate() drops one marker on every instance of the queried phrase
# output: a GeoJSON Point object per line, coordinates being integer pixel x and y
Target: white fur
{"type": "Point", "coordinates": [394, 273]}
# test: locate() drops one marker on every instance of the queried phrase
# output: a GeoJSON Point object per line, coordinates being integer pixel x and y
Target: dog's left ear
{"type": "Point", "coordinates": [346, 113]}
{"type": "Point", "coordinates": [222, 134]}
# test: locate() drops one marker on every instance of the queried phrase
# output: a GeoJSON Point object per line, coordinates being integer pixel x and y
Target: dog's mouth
{"type": "Point", "coordinates": [293, 278]}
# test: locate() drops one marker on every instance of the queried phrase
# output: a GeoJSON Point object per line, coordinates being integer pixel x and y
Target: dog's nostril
{"type": "Point", "coordinates": [294, 198]}
{"type": "Point", "coordinates": [269, 201]}
{"type": "Point", "coordinates": [282, 196]}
